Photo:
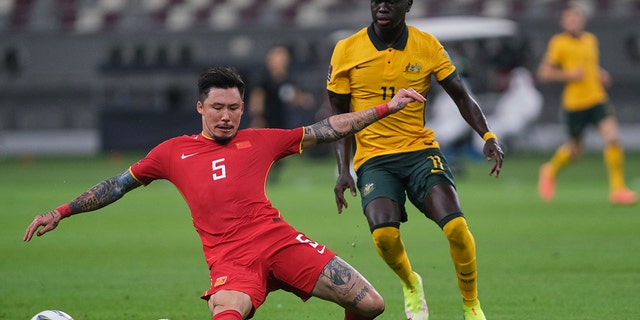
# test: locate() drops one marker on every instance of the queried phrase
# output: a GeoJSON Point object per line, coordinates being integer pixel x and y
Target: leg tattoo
{"type": "Point", "coordinates": [343, 279]}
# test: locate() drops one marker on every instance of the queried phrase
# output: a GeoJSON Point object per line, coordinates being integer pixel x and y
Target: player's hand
{"type": "Point", "coordinates": [48, 221]}
{"type": "Point", "coordinates": [404, 97]}
{"type": "Point", "coordinates": [344, 182]}
{"type": "Point", "coordinates": [605, 78]}
{"type": "Point", "coordinates": [575, 74]}
{"type": "Point", "coordinates": [492, 150]}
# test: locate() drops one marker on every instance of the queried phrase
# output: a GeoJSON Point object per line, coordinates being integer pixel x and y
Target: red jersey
{"type": "Point", "coordinates": [223, 185]}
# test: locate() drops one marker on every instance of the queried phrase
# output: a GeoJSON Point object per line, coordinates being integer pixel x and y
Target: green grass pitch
{"type": "Point", "coordinates": [140, 258]}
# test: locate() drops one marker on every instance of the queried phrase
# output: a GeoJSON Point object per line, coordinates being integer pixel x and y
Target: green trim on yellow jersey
{"type": "Point", "coordinates": [366, 70]}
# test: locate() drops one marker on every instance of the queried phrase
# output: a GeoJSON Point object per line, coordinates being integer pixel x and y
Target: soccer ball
{"type": "Point", "coordinates": [52, 315]}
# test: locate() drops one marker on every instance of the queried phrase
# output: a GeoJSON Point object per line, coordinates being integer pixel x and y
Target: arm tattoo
{"type": "Point", "coordinates": [324, 131]}
{"type": "Point", "coordinates": [344, 280]}
{"type": "Point", "coordinates": [339, 126]}
{"type": "Point", "coordinates": [104, 193]}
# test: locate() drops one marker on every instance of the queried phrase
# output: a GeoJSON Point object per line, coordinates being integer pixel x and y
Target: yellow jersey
{"type": "Point", "coordinates": [571, 53]}
{"type": "Point", "coordinates": [366, 70]}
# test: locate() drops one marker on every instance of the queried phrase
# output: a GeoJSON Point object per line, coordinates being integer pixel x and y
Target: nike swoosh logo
{"type": "Point", "coordinates": [322, 250]}
{"type": "Point", "coordinates": [361, 67]}
{"type": "Point", "coordinates": [184, 156]}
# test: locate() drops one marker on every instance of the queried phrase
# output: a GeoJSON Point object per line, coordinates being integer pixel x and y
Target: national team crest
{"type": "Point", "coordinates": [368, 188]}
{"type": "Point", "coordinates": [412, 68]}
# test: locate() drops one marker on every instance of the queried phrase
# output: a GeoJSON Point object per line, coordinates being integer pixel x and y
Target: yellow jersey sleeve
{"type": "Point", "coordinates": [338, 74]}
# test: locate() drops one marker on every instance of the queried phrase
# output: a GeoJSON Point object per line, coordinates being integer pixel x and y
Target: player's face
{"type": "Point", "coordinates": [221, 112]}
{"type": "Point", "coordinates": [278, 60]}
{"type": "Point", "coordinates": [389, 13]}
{"type": "Point", "coordinates": [573, 21]}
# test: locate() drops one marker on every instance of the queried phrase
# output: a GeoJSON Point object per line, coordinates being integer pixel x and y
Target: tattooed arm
{"type": "Point", "coordinates": [339, 126]}
{"type": "Point", "coordinates": [102, 194]}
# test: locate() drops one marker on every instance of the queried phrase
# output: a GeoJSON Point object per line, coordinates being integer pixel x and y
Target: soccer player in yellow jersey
{"type": "Point", "coordinates": [572, 58]}
{"type": "Point", "coordinates": [400, 158]}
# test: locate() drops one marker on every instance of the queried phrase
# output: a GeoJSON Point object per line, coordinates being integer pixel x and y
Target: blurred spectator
{"type": "Point", "coordinates": [275, 98]}
{"type": "Point", "coordinates": [276, 101]}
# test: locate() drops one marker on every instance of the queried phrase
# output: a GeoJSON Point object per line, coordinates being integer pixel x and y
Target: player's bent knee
{"type": "Point", "coordinates": [372, 306]}
{"type": "Point", "coordinates": [457, 230]}
{"type": "Point", "coordinates": [230, 300]}
{"type": "Point", "coordinates": [385, 237]}
{"type": "Point", "coordinates": [377, 306]}
{"type": "Point", "coordinates": [365, 299]}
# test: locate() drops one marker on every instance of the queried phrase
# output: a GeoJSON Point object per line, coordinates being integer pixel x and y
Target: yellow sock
{"type": "Point", "coordinates": [560, 158]}
{"type": "Point", "coordinates": [463, 254]}
{"type": "Point", "coordinates": [391, 249]}
{"type": "Point", "coordinates": [614, 160]}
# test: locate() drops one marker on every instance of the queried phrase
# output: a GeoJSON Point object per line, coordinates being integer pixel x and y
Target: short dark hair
{"type": "Point", "coordinates": [219, 77]}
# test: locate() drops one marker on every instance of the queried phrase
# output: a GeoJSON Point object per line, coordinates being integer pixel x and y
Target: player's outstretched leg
{"type": "Point", "coordinates": [341, 283]}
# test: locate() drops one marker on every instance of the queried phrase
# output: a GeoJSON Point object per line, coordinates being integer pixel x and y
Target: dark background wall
{"type": "Point", "coordinates": [129, 88]}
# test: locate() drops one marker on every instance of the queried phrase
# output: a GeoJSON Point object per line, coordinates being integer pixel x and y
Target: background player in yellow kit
{"type": "Point", "coordinates": [400, 158]}
{"type": "Point", "coordinates": [572, 57]}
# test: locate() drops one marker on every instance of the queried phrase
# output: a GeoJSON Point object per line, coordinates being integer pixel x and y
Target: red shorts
{"type": "Point", "coordinates": [280, 258]}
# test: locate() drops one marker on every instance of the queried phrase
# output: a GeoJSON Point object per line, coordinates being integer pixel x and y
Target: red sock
{"type": "Point", "coordinates": [350, 315]}
{"type": "Point", "coordinates": [227, 315]}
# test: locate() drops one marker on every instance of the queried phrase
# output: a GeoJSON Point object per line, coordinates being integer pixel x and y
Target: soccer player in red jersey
{"type": "Point", "coordinates": [222, 172]}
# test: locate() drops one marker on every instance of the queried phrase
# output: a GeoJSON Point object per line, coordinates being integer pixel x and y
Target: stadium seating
{"type": "Point", "coordinates": [100, 15]}
{"type": "Point", "coordinates": [81, 59]}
